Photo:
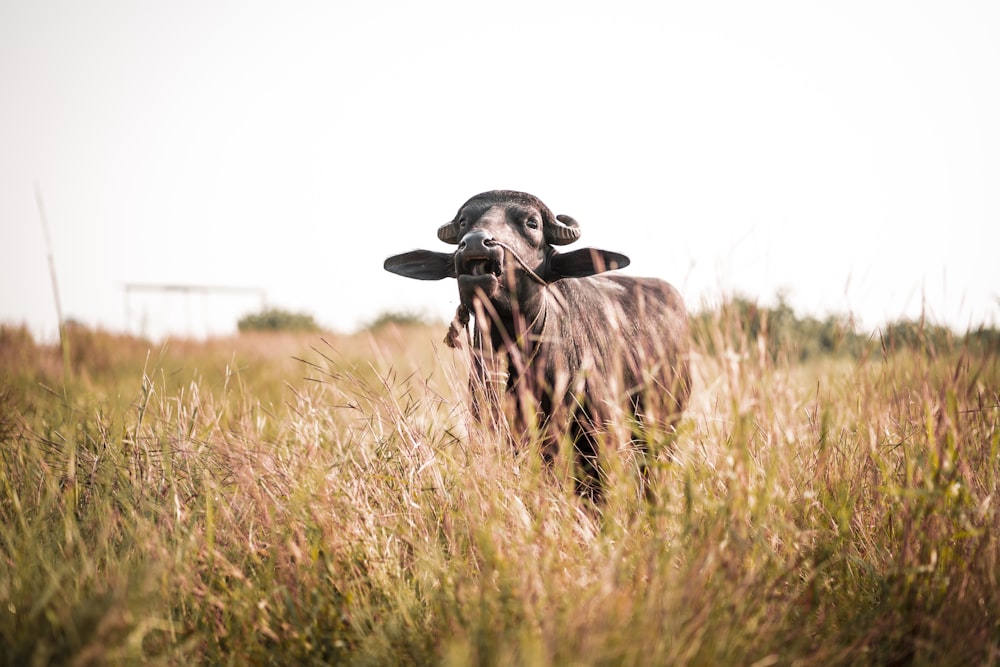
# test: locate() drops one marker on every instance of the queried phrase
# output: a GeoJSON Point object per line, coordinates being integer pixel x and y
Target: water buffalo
{"type": "Point", "coordinates": [579, 349]}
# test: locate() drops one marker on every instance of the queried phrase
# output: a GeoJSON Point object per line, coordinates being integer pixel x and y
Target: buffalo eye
{"type": "Point", "coordinates": [463, 223]}
{"type": "Point", "coordinates": [531, 223]}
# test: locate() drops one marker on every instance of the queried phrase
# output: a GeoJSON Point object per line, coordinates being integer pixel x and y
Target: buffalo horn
{"type": "Point", "coordinates": [562, 231]}
{"type": "Point", "coordinates": [448, 232]}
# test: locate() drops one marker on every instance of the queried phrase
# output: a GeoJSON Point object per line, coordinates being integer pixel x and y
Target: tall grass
{"type": "Point", "coordinates": [307, 500]}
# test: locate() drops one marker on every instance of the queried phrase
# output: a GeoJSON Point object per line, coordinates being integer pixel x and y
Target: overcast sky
{"type": "Point", "coordinates": [846, 153]}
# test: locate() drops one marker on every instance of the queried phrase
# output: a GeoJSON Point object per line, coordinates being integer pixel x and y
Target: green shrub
{"type": "Point", "coordinates": [399, 318]}
{"type": "Point", "coordinates": [277, 319]}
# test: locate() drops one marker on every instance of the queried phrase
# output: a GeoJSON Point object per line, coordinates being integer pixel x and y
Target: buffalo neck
{"type": "Point", "coordinates": [518, 331]}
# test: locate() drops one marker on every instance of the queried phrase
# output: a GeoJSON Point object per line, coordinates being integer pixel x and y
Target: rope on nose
{"type": "Point", "coordinates": [524, 265]}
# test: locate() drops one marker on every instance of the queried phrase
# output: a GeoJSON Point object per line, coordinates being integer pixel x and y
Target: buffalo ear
{"type": "Point", "coordinates": [422, 265]}
{"type": "Point", "coordinates": [584, 262]}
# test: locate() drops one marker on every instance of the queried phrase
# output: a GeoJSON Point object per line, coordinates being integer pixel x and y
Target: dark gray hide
{"type": "Point", "coordinates": [580, 349]}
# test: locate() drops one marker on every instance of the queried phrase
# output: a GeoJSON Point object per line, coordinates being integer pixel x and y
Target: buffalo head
{"type": "Point", "coordinates": [505, 252]}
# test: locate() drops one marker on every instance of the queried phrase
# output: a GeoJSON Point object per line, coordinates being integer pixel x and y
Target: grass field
{"type": "Point", "coordinates": [306, 499]}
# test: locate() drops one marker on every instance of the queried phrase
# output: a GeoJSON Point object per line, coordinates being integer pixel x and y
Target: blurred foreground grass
{"type": "Point", "coordinates": [307, 499]}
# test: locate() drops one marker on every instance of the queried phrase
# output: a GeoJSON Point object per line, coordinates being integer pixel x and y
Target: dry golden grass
{"type": "Point", "coordinates": [292, 499]}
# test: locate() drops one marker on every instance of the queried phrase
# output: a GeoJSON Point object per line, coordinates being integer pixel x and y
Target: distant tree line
{"type": "Point", "coordinates": [743, 324]}
{"type": "Point", "coordinates": [738, 324]}
{"type": "Point", "coordinates": [277, 319]}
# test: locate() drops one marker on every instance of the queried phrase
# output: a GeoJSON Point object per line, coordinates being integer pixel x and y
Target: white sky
{"type": "Point", "coordinates": [847, 152]}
